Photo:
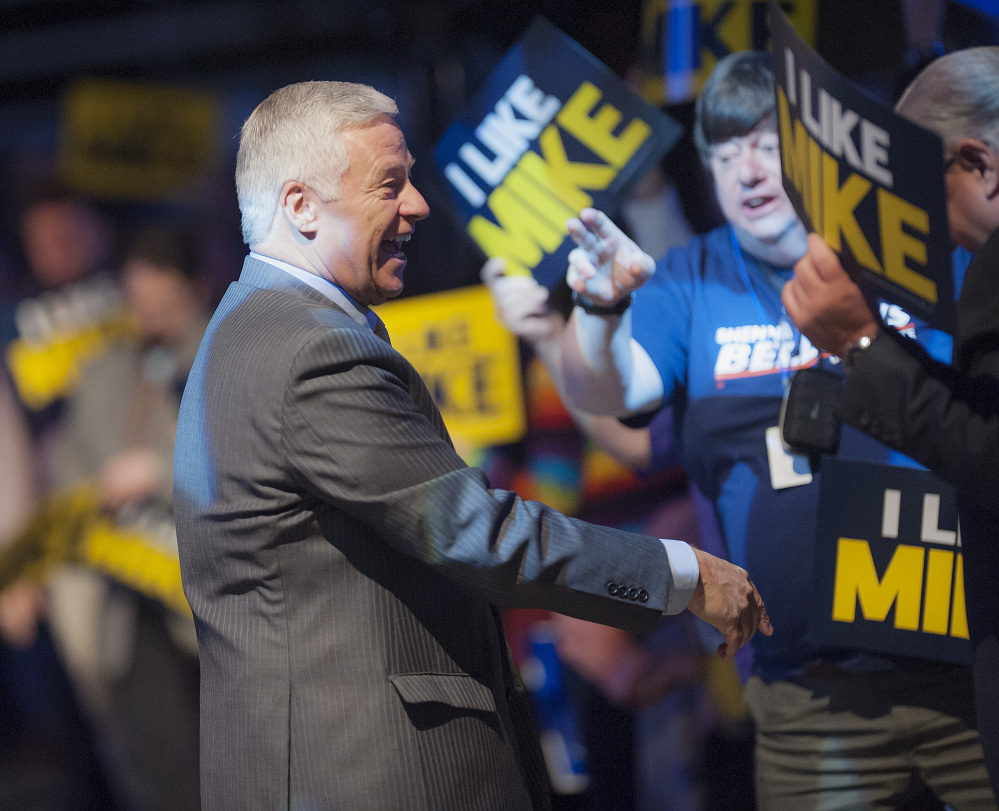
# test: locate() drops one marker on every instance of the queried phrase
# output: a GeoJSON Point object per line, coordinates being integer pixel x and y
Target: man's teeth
{"type": "Point", "coordinates": [756, 202]}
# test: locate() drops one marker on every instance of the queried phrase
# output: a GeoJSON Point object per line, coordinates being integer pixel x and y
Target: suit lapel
{"type": "Point", "coordinates": [265, 276]}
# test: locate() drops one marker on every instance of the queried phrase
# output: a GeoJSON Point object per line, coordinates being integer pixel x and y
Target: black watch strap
{"type": "Point", "coordinates": [591, 307]}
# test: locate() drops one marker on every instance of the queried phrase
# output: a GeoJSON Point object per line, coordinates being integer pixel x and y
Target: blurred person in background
{"type": "Point", "coordinates": [132, 658]}
{"type": "Point", "coordinates": [65, 311]}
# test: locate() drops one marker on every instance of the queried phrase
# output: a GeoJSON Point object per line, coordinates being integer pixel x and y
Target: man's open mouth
{"type": "Point", "coordinates": [393, 247]}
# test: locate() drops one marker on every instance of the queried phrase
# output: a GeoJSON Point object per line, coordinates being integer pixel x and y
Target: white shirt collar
{"type": "Point", "coordinates": [361, 314]}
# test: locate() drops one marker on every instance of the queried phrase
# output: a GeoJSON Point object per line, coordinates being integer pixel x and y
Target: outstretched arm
{"type": "Point", "coordinates": [604, 370]}
{"type": "Point", "coordinates": [521, 305]}
{"type": "Point", "coordinates": [727, 598]}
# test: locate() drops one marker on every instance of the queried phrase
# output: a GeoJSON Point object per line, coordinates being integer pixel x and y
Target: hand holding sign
{"type": "Point", "coordinates": [521, 303]}
{"type": "Point", "coordinates": [606, 265]}
{"type": "Point", "coordinates": [825, 302]}
{"type": "Point", "coordinates": [866, 179]}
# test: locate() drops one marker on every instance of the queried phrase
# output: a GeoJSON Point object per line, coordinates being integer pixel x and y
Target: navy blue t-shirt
{"type": "Point", "coordinates": [712, 322]}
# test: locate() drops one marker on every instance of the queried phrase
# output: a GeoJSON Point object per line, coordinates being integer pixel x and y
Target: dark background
{"type": "Point", "coordinates": [429, 56]}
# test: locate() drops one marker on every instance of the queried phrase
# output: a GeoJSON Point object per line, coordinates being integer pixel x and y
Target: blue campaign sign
{"type": "Point", "coordinates": [867, 180]}
{"type": "Point", "coordinates": [551, 132]}
{"type": "Point", "coordinates": [889, 573]}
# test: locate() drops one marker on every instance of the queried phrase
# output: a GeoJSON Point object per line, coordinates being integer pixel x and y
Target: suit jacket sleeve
{"type": "Point", "coordinates": [363, 436]}
{"type": "Point", "coordinates": [944, 418]}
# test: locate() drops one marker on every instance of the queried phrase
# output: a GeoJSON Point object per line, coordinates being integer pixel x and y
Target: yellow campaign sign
{"type": "Point", "coordinates": [48, 371]}
{"type": "Point", "coordinates": [469, 361]}
{"type": "Point", "coordinates": [121, 139]}
{"type": "Point", "coordinates": [683, 40]}
{"type": "Point", "coordinates": [137, 561]}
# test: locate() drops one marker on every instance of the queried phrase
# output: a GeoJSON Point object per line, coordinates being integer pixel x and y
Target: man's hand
{"type": "Point", "coordinates": [825, 303]}
{"type": "Point", "coordinates": [727, 598]}
{"type": "Point", "coordinates": [607, 265]}
{"type": "Point", "coordinates": [521, 303]}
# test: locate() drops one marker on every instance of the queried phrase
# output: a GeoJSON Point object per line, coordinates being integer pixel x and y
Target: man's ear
{"type": "Point", "coordinates": [299, 204]}
{"type": "Point", "coordinates": [979, 157]}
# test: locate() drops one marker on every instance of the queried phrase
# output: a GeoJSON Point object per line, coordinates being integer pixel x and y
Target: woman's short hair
{"type": "Point", "coordinates": [296, 133]}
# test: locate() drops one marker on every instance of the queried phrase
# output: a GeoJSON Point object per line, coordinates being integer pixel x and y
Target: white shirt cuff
{"type": "Point", "coordinates": [685, 571]}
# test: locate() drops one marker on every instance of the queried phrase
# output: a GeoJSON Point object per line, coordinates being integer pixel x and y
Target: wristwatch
{"type": "Point", "coordinates": [855, 349]}
{"type": "Point", "coordinates": [592, 308]}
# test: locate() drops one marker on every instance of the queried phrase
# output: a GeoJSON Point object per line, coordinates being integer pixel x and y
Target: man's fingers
{"type": "Point", "coordinates": [823, 264]}
{"type": "Point", "coordinates": [581, 264]}
{"type": "Point", "coordinates": [794, 297]}
{"type": "Point", "coordinates": [766, 627]}
{"type": "Point", "coordinates": [641, 267]}
{"type": "Point", "coordinates": [763, 623]}
{"type": "Point", "coordinates": [582, 235]}
{"type": "Point", "coordinates": [734, 640]}
{"type": "Point", "coordinates": [599, 223]}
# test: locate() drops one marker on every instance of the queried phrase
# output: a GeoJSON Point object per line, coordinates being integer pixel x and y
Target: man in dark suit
{"type": "Point", "coordinates": [946, 417]}
{"type": "Point", "coordinates": [343, 564]}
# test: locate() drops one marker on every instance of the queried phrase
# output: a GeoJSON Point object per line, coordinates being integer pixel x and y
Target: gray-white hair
{"type": "Point", "coordinates": [296, 133]}
{"type": "Point", "coordinates": [957, 96]}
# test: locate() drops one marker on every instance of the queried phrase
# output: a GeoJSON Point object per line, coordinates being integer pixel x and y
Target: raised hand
{"type": "Point", "coordinates": [521, 303]}
{"type": "Point", "coordinates": [823, 301]}
{"type": "Point", "coordinates": [606, 265]}
{"type": "Point", "coordinates": [727, 599]}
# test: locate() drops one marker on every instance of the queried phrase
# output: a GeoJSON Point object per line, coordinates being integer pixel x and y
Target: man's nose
{"type": "Point", "coordinates": [751, 170]}
{"type": "Point", "coordinates": [414, 206]}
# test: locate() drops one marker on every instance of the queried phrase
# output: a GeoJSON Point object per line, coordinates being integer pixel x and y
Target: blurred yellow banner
{"type": "Point", "coordinates": [120, 139]}
{"type": "Point", "coordinates": [469, 361]}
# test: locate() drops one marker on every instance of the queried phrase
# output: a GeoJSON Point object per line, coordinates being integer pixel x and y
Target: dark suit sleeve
{"type": "Point", "coordinates": [948, 421]}
{"type": "Point", "coordinates": [363, 436]}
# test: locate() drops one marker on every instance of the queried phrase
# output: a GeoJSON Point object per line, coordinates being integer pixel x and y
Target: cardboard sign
{"type": "Point", "coordinates": [552, 131]}
{"type": "Point", "coordinates": [865, 179]}
{"type": "Point", "coordinates": [889, 574]}
{"type": "Point", "coordinates": [469, 361]}
{"type": "Point", "coordinates": [683, 40]}
{"type": "Point", "coordinates": [121, 139]}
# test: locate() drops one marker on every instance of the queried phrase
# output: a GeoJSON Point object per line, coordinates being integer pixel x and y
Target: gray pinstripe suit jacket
{"type": "Point", "coordinates": [344, 565]}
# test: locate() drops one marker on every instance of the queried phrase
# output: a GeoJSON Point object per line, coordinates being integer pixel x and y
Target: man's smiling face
{"type": "Point", "coordinates": [362, 232]}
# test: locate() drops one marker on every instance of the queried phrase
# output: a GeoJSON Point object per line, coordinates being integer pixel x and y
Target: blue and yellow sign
{"type": "Point", "coordinates": [889, 574]}
{"type": "Point", "coordinates": [552, 132]}
{"type": "Point", "coordinates": [868, 181]}
{"type": "Point", "coordinates": [469, 361]}
{"type": "Point", "coordinates": [683, 40]}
